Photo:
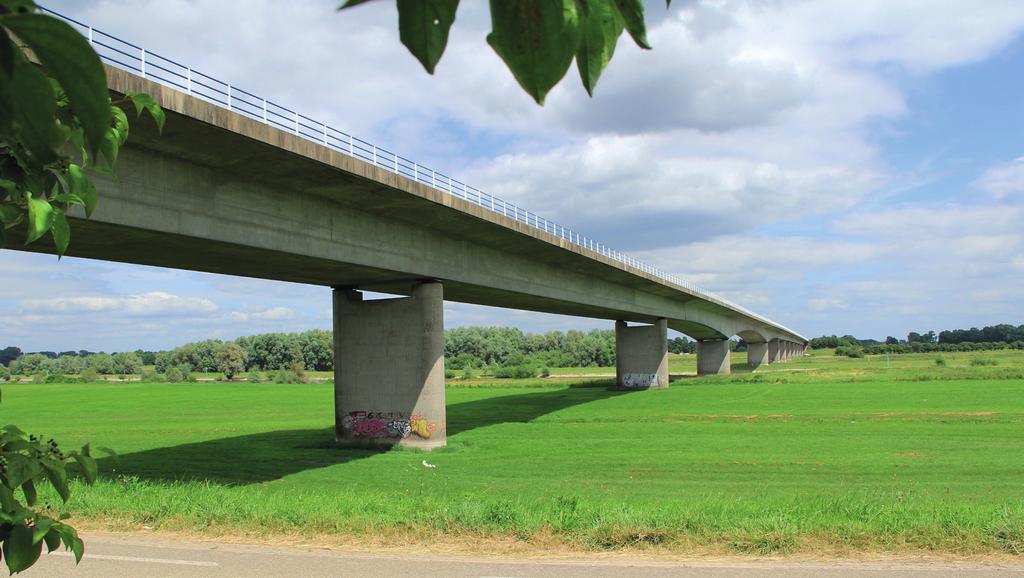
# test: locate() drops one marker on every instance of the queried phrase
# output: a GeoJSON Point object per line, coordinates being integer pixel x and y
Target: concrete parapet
{"type": "Point", "coordinates": [757, 354]}
{"type": "Point", "coordinates": [714, 357]}
{"type": "Point", "coordinates": [641, 355]}
{"type": "Point", "coordinates": [389, 369]}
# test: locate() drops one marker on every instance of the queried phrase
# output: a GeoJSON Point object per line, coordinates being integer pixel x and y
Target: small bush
{"type": "Point", "coordinates": [89, 375]}
{"type": "Point", "coordinates": [149, 376]}
{"type": "Point", "coordinates": [294, 374]}
{"type": "Point", "coordinates": [449, 374]}
{"type": "Point", "coordinates": [469, 373]}
{"type": "Point", "coordinates": [545, 372]}
{"type": "Point", "coordinates": [39, 378]}
{"type": "Point", "coordinates": [174, 375]}
{"type": "Point", "coordinates": [254, 377]}
{"type": "Point", "coordinates": [56, 378]}
{"type": "Point", "coordinates": [298, 372]}
{"type": "Point", "coordinates": [5, 374]}
{"type": "Point", "coordinates": [940, 361]}
{"type": "Point", "coordinates": [516, 372]}
{"type": "Point", "coordinates": [983, 361]}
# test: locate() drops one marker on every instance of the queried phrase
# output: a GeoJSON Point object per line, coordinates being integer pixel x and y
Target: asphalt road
{"type": "Point", "coordinates": [149, 557]}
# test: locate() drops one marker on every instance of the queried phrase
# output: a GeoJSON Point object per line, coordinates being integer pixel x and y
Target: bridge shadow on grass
{"type": "Point", "coordinates": [267, 456]}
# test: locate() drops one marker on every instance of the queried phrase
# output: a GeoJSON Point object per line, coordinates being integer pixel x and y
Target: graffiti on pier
{"type": "Point", "coordinates": [639, 380]}
{"type": "Point", "coordinates": [382, 424]}
{"type": "Point", "coordinates": [421, 426]}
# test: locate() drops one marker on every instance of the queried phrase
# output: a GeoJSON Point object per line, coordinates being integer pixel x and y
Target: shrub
{"type": "Point", "coordinates": [56, 378]}
{"type": "Point", "coordinates": [294, 374]}
{"type": "Point", "coordinates": [981, 361]}
{"type": "Point", "coordinates": [516, 372]}
{"type": "Point", "coordinates": [469, 373]}
{"type": "Point", "coordinates": [850, 351]}
{"type": "Point", "coordinates": [449, 374]}
{"type": "Point", "coordinates": [254, 377]}
{"type": "Point", "coordinates": [545, 372]}
{"type": "Point", "coordinates": [174, 375]}
{"type": "Point", "coordinates": [39, 378]}
{"type": "Point", "coordinates": [5, 374]}
{"type": "Point", "coordinates": [940, 361]}
{"type": "Point", "coordinates": [149, 376]}
{"type": "Point", "coordinates": [89, 375]}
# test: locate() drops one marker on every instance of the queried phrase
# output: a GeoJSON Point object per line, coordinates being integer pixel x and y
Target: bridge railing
{"type": "Point", "coordinates": [163, 70]}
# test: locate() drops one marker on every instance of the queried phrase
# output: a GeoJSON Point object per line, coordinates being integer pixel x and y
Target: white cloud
{"type": "Point", "coordinates": [273, 313]}
{"type": "Point", "coordinates": [152, 303]}
{"type": "Point", "coordinates": [1004, 180]}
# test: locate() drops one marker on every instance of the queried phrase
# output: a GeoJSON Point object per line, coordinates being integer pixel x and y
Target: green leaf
{"type": "Point", "coordinates": [58, 477]}
{"type": "Point", "coordinates": [61, 232]}
{"type": "Point", "coordinates": [30, 492]}
{"type": "Point", "coordinates": [20, 552]}
{"type": "Point", "coordinates": [66, 54]}
{"type": "Point", "coordinates": [111, 145]}
{"type": "Point", "coordinates": [423, 27]}
{"type": "Point", "coordinates": [7, 53]}
{"type": "Point", "coordinates": [52, 539]}
{"type": "Point", "coordinates": [78, 548]}
{"type": "Point", "coordinates": [20, 469]}
{"type": "Point", "coordinates": [34, 108]}
{"type": "Point", "coordinates": [600, 28]}
{"type": "Point", "coordinates": [537, 39]}
{"type": "Point", "coordinates": [9, 214]}
{"type": "Point", "coordinates": [81, 185]}
{"type": "Point", "coordinates": [632, 12]}
{"type": "Point", "coordinates": [41, 528]}
{"type": "Point", "coordinates": [120, 120]}
{"type": "Point", "coordinates": [40, 218]}
{"type": "Point", "coordinates": [7, 501]}
{"type": "Point", "coordinates": [145, 102]}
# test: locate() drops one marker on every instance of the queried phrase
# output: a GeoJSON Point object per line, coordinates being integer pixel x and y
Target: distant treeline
{"type": "Point", "coordinates": [465, 347]}
{"type": "Point", "coordinates": [1003, 336]}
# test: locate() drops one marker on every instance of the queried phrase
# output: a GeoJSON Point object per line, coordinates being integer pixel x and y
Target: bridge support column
{"type": "Point", "coordinates": [787, 350]}
{"type": "Point", "coordinates": [641, 355]}
{"type": "Point", "coordinates": [774, 351]}
{"type": "Point", "coordinates": [714, 357]}
{"type": "Point", "coordinates": [389, 369]}
{"type": "Point", "coordinates": [757, 354]}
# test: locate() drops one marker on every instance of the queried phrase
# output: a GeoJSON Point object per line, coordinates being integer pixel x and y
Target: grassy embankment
{"type": "Point", "coordinates": [823, 455]}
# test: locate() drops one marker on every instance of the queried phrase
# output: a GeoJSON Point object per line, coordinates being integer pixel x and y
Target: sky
{"type": "Point", "coordinates": [842, 167]}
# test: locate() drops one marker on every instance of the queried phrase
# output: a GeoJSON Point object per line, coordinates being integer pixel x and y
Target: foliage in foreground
{"type": "Point", "coordinates": [537, 39]}
{"type": "Point", "coordinates": [53, 99]}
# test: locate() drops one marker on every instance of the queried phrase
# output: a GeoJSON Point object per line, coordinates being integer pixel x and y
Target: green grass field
{"type": "Point", "coordinates": [822, 454]}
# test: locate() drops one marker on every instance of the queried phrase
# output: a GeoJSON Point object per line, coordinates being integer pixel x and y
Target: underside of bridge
{"type": "Point", "coordinates": [223, 193]}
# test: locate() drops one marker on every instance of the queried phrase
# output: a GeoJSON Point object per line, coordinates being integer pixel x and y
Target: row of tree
{"type": "Point", "coordinates": [1005, 336]}
{"type": "Point", "coordinates": [465, 347]}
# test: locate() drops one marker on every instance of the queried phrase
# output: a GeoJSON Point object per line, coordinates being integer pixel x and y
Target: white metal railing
{"type": "Point", "coordinates": [150, 65]}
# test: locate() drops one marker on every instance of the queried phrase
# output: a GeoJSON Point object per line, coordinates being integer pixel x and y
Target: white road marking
{"type": "Point", "coordinates": [134, 559]}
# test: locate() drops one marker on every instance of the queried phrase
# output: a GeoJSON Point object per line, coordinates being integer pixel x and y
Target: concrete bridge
{"type": "Point", "coordinates": [235, 186]}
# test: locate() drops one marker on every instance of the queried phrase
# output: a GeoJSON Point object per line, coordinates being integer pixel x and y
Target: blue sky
{"type": "Point", "coordinates": [841, 167]}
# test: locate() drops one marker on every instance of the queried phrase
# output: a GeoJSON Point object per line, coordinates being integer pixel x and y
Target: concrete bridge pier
{"type": "Point", "coordinates": [757, 354]}
{"type": "Point", "coordinates": [773, 351]}
{"type": "Point", "coordinates": [389, 369]}
{"type": "Point", "coordinates": [714, 357]}
{"type": "Point", "coordinates": [641, 355]}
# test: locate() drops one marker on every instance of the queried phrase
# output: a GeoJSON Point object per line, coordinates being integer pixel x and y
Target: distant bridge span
{"type": "Point", "coordinates": [235, 186]}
